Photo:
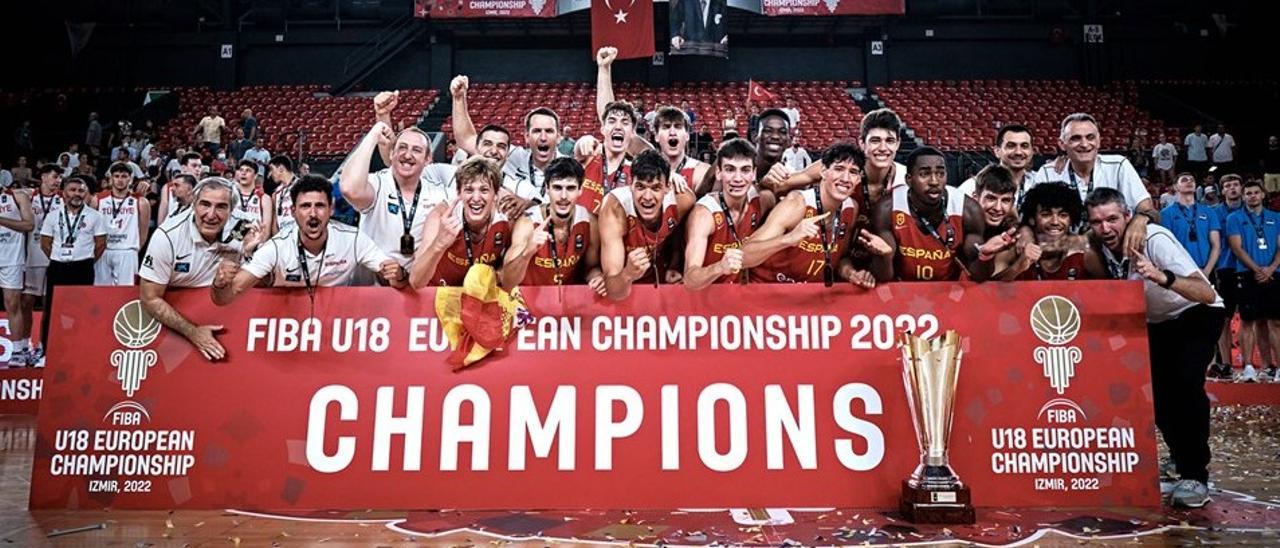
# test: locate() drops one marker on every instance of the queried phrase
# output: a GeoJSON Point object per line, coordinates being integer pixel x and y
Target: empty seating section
{"type": "Point", "coordinates": [827, 112]}
{"type": "Point", "coordinates": [332, 125]}
{"type": "Point", "coordinates": [965, 114]}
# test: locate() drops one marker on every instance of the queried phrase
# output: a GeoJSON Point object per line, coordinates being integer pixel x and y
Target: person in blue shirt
{"type": "Point", "coordinates": [1224, 278]}
{"type": "Point", "coordinates": [1254, 235]}
{"type": "Point", "coordinates": [1196, 227]}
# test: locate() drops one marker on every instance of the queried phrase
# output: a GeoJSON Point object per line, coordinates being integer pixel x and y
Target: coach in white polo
{"type": "Point", "coordinates": [1084, 170]}
{"type": "Point", "coordinates": [73, 238]}
{"type": "Point", "coordinates": [185, 252]}
{"type": "Point", "coordinates": [318, 253]}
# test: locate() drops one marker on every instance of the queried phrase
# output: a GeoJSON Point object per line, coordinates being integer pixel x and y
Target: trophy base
{"type": "Point", "coordinates": [940, 506]}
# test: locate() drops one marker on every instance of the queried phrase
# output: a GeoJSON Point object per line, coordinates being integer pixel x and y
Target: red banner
{"type": "Point", "coordinates": [833, 7]}
{"type": "Point", "coordinates": [19, 387]}
{"type": "Point", "coordinates": [737, 396]}
{"type": "Point", "coordinates": [455, 9]}
{"type": "Point", "coordinates": [623, 24]}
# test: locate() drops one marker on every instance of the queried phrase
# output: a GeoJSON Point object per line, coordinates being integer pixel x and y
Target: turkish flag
{"type": "Point", "coordinates": [756, 92]}
{"type": "Point", "coordinates": [623, 24]}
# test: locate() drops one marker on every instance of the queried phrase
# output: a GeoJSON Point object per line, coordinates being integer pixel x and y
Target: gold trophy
{"type": "Point", "coordinates": [930, 369]}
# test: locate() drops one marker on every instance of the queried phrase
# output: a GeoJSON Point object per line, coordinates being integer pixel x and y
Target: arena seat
{"type": "Point", "coordinates": [965, 114]}
{"type": "Point", "coordinates": [827, 112]}
{"type": "Point", "coordinates": [331, 125]}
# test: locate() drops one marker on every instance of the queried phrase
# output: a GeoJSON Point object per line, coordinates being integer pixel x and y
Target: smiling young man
{"type": "Point", "coordinates": [1051, 211]}
{"type": "Point", "coordinates": [557, 243]}
{"type": "Point", "coordinates": [637, 223]}
{"type": "Point", "coordinates": [936, 231]}
{"type": "Point", "coordinates": [464, 231]}
{"type": "Point", "coordinates": [995, 191]}
{"type": "Point", "coordinates": [807, 235]}
{"type": "Point", "coordinates": [318, 253]}
{"type": "Point", "coordinates": [723, 220]}
{"type": "Point", "coordinates": [128, 216]}
{"type": "Point", "coordinates": [1084, 170]}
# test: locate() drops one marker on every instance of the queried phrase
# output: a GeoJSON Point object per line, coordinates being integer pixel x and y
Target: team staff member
{"type": "Point", "coordinates": [1226, 282]}
{"type": "Point", "coordinates": [319, 253]}
{"type": "Point", "coordinates": [73, 237]}
{"type": "Point", "coordinates": [808, 233]}
{"type": "Point", "coordinates": [557, 243]}
{"type": "Point", "coordinates": [393, 203]}
{"type": "Point", "coordinates": [1196, 228]}
{"type": "Point", "coordinates": [1254, 234]}
{"type": "Point", "coordinates": [464, 231]}
{"type": "Point", "coordinates": [1084, 169]}
{"type": "Point", "coordinates": [722, 220]}
{"type": "Point", "coordinates": [16, 221]}
{"type": "Point", "coordinates": [637, 222]}
{"type": "Point", "coordinates": [935, 230]}
{"type": "Point", "coordinates": [185, 252]}
{"type": "Point", "coordinates": [128, 216]}
{"type": "Point", "coordinates": [1183, 315]}
{"type": "Point", "coordinates": [1014, 152]}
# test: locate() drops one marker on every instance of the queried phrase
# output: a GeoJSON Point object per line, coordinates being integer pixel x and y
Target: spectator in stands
{"type": "Point", "coordinates": [792, 112]}
{"type": "Point", "coordinates": [73, 237]}
{"type": "Point", "coordinates": [1139, 154]}
{"type": "Point", "coordinates": [6, 177]}
{"type": "Point", "coordinates": [1197, 144]}
{"type": "Point", "coordinates": [209, 131]}
{"type": "Point", "coordinates": [64, 163]}
{"type": "Point", "coordinates": [22, 140]}
{"type": "Point", "coordinates": [299, 258]}
{"type": "Point", "coordinates": [304, 169]}
{"type": "Point", "coordinates": [796, 158]}
{"type": "Point", "coordinates": [240, 145]}
{"type": "Point", "coordinates": [646, 116]}
{"type": "Point", "coordinates": [693, 116]}
{"type": "Point", "coordinates": [73, 156]}
{"type": "Point", "coordinates": [249, 124]}
{"type": "Point", "coordinates": [21, 172]}
{"type": "Point", "coordinates": [1271, 165]}
{"type": "Point", "coordinates": [1165, 155]}
{"type": "Point", "coordinates": [565, 148]}
{"type": "Point", "coordinates": [93, 133]}
{"type": "Point", "coordinates": [729, 125]}
{"type": "Point", "coordinates": [1014, 151]}
{"type": "Point", "coordinates": [703, 140]}
{"type": "Point", "coordinates": [1223, 147]}
{"type": "Point", "coordinates": [220, 165]}
{"type": "Point", "coordinates": [1210, 198]}
{"type": "Point", "coordinates": [1254, 235]}
{"type": "Point", "coordinates": [1183, 313]}
{"type": "Point", "coordinates": [1084, 169]}
{"type": "Point", "coordinates": [174, 165]}
{"type": "Point", "coordinates": [753, 122]}
{"type": "Point", "coordinates": [258, 155]}
{"type": "Point", "coordinates": [185, 252]}
{"type": "Point", "coordinates": [1168, 194]}
{"type": "Point", "coordinates": [456, 155]}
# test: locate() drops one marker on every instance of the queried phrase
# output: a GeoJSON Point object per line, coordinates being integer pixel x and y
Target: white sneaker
{"type": "Point", "coordinates": [19, 358]}
{"type": "Point", "coordinates": [1249, 375]}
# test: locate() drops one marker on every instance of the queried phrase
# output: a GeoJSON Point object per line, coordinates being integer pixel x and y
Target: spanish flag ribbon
{"type": "Point", "coordinates": [479, 317]}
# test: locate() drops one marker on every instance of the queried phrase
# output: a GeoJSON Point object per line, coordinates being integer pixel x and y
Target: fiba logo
{"type": "Point", "coordinates": [1056, 321]}
{"type": "Point", "coordinates": [134, 328]}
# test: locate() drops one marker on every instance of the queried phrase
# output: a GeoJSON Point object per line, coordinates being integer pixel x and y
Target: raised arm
{"type": "Point", "coordinates": [604, 79]}
{"type": "Point", "coordinates": [784, 227]}
{"type": "Point", "coordinates": [354, 181]}
{"type": "Point", "coordinates": [698, 231]}
{"type": "Point", "coordinates": [882, 265]}
{"type": "Point", "coordinates": [384, 103]}
{"type": "Point", "coordinates": [230, 282]}
{"type": "Point", "coordinates": [526, 240]}
{"type": "Point", "coordinates": [464, 131]}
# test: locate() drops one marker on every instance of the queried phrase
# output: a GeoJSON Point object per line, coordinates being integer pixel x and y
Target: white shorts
{"type": "Point", "coordinates": [34, 282]}
{"type": "Point", "coordinates": [116, 267]}
{"type": "Point", "coordinates": [11, 276]}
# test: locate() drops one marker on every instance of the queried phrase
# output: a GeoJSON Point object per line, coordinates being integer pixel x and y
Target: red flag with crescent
{"type": "Point", "coordinates": [623, 24]}
{"type": "Point", "coordinates": [757, 92]}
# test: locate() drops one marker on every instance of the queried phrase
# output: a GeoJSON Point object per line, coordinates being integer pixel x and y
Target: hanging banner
{"type": "Point", "coordinates": [457, 9]}
{"type": "Point", "coordinates": [736, 396]}
{"type": "Point", "coordinates": [833, 7]}
{"type": "Point", "coordinates": [699, 27]}
{"type": "Point", "coordinates": [20, 387]}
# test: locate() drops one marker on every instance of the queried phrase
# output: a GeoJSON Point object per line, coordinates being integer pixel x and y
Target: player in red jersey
{"type": "Point", "coordinates": [463, 231]}
{"type": "Point", "coordinates": [806, 237]}
{"type": "Point", "coordinates": [557, 243]}
{"type": "Point", "coordinates": [724, 219]}
{"type": "Point", "coordinates": [935, 230]}
{"type": "Point", "coordinates": [1051, 210]}
{"type": "Point", "coordinates": [637, 222]}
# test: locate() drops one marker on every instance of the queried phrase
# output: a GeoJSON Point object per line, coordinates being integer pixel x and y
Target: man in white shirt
{"type": "Point", "coordinates": [258, 155]}
{"type": "Point", "coordinates": [1223, 148]}
{"type": "Point", "coordinates": [792, 112]}
{"type": "Point", "coordinates": [1197, 144]}
{"type": "Point", "coordinates": [796, 157]}
{"type": "Point", "coordinates": [185, 252]}
{"type": "Point", "coordinates": [319, 253]}
{"type": "Point", "coordinates": [1014, 152]}
{"type": "Point", "coordinates": [209, 131]}
{"type": "Point", "coordinates": [73, 238]}
{"type": "Point", "coordinates": [1084, 169]}
{"type": "Point", "coordinates": [1165, 155]}
{"type": "Point", "coordinates": [1184, 314]}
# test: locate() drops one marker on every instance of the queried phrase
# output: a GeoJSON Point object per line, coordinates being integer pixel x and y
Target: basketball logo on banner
{"type": "Point", "coordinates": [134, 328]}
{"type": "Point", "coordinates": [1056, 321]}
